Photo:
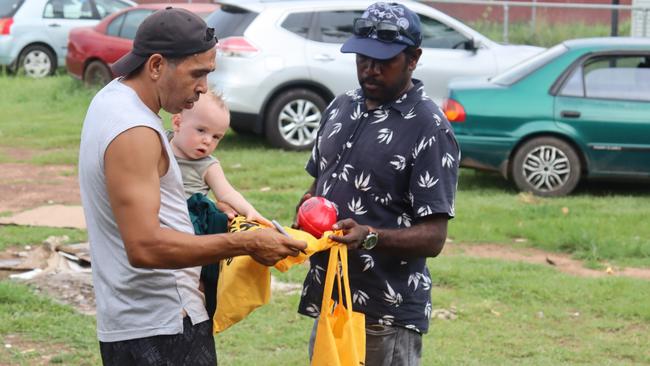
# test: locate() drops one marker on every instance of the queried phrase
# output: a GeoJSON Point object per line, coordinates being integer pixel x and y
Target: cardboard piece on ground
{"type": "Point", "coordinates": [49, 216]}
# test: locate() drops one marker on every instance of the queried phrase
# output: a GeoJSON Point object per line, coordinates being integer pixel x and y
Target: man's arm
{"type": "Point", "coordinates": [424, 239]}
{"type": "Point", "coordinates": [133, 164]}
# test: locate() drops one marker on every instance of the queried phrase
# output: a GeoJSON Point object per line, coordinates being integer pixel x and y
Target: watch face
{"type": "Point", "coordinates": [370, 242]}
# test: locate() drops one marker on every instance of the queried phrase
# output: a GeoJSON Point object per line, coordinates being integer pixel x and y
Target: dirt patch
{"type": "Point", "coordinates": [562, 262]}
{"type": "Point", "coordinates": [36, 353]}
{"type": "Point", "coordinates": [24, 186]}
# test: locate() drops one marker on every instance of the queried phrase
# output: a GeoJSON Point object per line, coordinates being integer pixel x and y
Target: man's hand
{"type": "Point", "coordinates": [353, 234]}
{"type": "Point", "coordinates": [268, 246]}
{"type": "Point", "coordinates": [304, 198]}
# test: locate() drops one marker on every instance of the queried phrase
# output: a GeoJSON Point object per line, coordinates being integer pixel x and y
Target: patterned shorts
{"type": "Point", "coordinates": [194, 347]}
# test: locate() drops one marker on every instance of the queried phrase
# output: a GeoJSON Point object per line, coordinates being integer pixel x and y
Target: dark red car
{"type": "Point", "coordinates": [91, 50]}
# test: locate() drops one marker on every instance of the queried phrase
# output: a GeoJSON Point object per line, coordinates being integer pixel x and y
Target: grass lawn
{"type": "Point", "coordinates": [508, 313]}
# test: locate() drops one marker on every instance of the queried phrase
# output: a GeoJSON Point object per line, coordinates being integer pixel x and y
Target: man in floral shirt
{"type": "Point", "coordinates": [387, 157]}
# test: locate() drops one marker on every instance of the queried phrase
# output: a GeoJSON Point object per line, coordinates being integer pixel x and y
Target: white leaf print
{"type": "Point", "coordinates": [392, 297]}
{"type": "Point", "coordinates": [410, 114]}
{"type": "Point", "coordinates": [356, 114]}
{"type": "Point", "coordinates": [326, 188]}
{"type": "Point", "coordinates": [345, 172]}
{"type": "Point", "coordinates": [405, 219]}
{"type": "Point", "coordinates": [447, 160]}
{"type": "Point", "coordinates": [400, 163]}
{"type": "Point", "coordinates": [422, 145]}
{"type": "Point", "coordinates": [437, 118]}
{"type": "Point", "coordinates": [452, 209]}
{"type": "Point", "coordinates": [427, 310]}
{"type": "Point", "coordinates": [368, 261]}
{"type": "Point", "coordinates": [385, 136]}
{"type": "Point", "coordinates": [336, 129]}
{"type": "Point", "coordinates": [386, 320]}
{"type": "Point", "coordinates": [316, 273]}
{"type": "Point", "coordinates": [402, 98]}
{"type": "Point", "coordinates": [381, 116]}
{"type": "Point", "coordinates": [410, 198]}
{"type": "Point", "coordinates": [383, 200]}
{"type": "Point", "coordinates": [412, 327]}
{"type": "Point", "coordinates": [362, 182]}
{"type": "Point", "coordinates": [333, 113]}
{"type": "Point", "coordinates": [401, 263]}
{"type": "Point", "coordinates": [313, 310]}
{"type": "Point", "coordinates": [360, 297]}
{"type": "Point", "coordinates": [424, 211]}
{"type": "Point", "coordinates": [304, 291]}
{"type": "Point", "coordinates": [356, 207]}
{"type": "Point", "coordinates": [323, 163]}
{"type": "Point", "coordinates": [415, 280]}
{"type": "Point", "coordinates": [427, 181]}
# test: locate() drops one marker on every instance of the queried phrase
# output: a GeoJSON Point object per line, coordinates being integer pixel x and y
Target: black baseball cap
{"type": "Point", "coordinates": [171, 32]}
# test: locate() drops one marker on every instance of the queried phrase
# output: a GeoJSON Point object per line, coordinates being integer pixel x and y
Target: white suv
{"type": "Point", "coordinates": [279, 62]}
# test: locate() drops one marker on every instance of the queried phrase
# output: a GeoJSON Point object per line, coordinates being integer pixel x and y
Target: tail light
{"type": "Point", "coordinates": [236, 46]}
{"type": "Point", "coordinates": [454, 110]}
{"type": "Point", "coordinates": [5, 25]}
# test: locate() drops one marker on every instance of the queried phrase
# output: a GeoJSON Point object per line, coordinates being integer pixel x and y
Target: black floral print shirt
{"type": "Point", "coordinates": [385, 168]}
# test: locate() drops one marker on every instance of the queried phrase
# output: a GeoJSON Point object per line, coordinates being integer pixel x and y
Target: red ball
{"type": "Point", "coordinates": [316, 216]}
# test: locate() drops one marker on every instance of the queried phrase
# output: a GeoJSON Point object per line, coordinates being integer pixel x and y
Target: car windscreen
{"type": "Point", "coordinates": [230, 21]}
{"type": "Point", "coordinates": [8, 7]}
{"type": "Point", "coordinates": [523, 69]}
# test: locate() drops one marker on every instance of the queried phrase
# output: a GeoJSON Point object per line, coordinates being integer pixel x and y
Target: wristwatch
{"type": "Point", "coordinates": [371, 239]}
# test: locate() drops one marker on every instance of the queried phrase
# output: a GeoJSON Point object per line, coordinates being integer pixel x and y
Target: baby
{"type": "Point", "coordinates": [197, 132]}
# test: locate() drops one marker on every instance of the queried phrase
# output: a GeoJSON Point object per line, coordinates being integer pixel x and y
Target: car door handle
{"type": "Point", "coordinates": [323, 57]}
{"type": "Point", "coordinates": [54, 25]}
{"type": "Point", "coordinates": [570, 114]}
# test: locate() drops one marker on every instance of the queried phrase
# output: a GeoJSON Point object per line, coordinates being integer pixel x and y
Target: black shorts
{"type": "Point", "coordinates": [194, 347]}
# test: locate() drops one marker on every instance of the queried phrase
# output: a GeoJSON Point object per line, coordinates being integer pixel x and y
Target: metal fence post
{"type": "Point", "coordinates": [533, 16]}
{"type": "Point", "coordinates": [645, 22]}
{"type": "Point", "coordinates": [506, 16]}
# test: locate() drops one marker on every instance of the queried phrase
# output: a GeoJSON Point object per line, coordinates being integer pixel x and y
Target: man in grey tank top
{"type": "Point", "coordinates": [145, 257]}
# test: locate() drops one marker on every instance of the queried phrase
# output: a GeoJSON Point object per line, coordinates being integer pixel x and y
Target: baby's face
{"type": "Point", "coordinates": [200, 129]}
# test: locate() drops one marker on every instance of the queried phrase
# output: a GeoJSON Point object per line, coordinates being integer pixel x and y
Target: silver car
{"type": "Point", "coordinates": [279, 62]}
{"type": "Point", "coordinates": [34, 33]}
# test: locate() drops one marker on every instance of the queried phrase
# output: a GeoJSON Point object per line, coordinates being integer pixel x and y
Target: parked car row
{"type": "Point", "coordinates": [34, 33]}
{"type": "Point", "coordinates": [579, 110]}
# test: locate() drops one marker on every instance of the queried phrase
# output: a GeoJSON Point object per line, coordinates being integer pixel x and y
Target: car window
{"type": "Point", "coordinates": [438, 35]}
{"type": "Point", "coordinates": [68, 9]}
{"type": "Point", "coordinates": [524, 68]}
{"type": "Point", "coordinates": [298, 23]}
{"type": "Point", "coordinates": [336, 26]}
{"type": "Point", "coordinates": [113, 28]}
{"type": "Point", "coordinates": [9, 7]}
{"type": "Point", "coordinates": [617, 77]}
{"type": "Point", "coordinates": [108, 7]}
{"type": "Point", "coordinates": [574, 86]}
{"type": "Point", "coordinates": [131, 23]}
{"type": "Point", "coordinates": [230, 21]}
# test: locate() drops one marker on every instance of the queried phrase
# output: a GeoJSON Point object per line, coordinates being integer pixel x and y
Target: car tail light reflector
{"type": "Point", "coordinates": [454, 111]}
{"type": "Point", "coordinates": [236, 46]}
{"type": "Point", "coordinates": [5, 25]}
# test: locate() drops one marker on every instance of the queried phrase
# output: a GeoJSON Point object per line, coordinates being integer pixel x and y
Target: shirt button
{"type": "Point", "coordinates": [333, 175]}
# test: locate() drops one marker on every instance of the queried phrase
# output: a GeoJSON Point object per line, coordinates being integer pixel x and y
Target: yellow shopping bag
{"type": "Point", "coordinates": [341, 332]}
{"type": "Point", "coordinates": [244, 284]}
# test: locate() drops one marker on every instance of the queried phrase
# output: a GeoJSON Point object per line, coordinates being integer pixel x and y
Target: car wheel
{"type": "Point", "coordinates": [97, 73]}
{"type": "Point", "coordinates": [37, 61]}
{"type": "Point", "coordinates": [293, 119]}
{"type": "Point", "coordinates": [546, 166]}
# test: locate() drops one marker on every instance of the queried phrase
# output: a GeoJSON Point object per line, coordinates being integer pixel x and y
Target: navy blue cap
{"type": "Point", "coordinates": [394, 13]}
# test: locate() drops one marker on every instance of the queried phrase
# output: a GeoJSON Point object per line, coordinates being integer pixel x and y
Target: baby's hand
{"type": "Point", "coordinates": [255, 216]}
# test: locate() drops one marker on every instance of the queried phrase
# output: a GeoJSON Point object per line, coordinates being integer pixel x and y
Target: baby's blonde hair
{"type": "Point", "coordinates": [217, 98]}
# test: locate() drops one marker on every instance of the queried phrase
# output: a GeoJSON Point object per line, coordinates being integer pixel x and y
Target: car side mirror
{"type": "Point", "coordinates": [472, 45]}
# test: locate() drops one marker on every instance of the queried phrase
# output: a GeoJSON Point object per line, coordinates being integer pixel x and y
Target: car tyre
{"type": "Point", "coordinates": [37, 61]}
{"type": "Point", "coordinates": [546, 166]}
{"type": "Point", "coordinates": [97, 73]}
{"type": "Point", "coordinates": [293, 119]}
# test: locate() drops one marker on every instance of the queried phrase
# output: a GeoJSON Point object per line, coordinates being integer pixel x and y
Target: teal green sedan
{"type": "Point", "coordinates": [580, 109]}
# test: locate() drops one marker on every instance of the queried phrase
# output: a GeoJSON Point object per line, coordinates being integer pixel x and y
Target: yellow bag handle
{"type": "Point", "coordinates": [337, 252]}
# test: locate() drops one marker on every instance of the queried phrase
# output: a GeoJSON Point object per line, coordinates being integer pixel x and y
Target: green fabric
{"type": "Point", "coordinates": [207, 219]}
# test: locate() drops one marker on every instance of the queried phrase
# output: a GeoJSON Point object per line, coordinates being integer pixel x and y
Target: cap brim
{"type": "Point", "coordinates": [372, 48]}
{"type": "Point", "coordinates": [127, 63]}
